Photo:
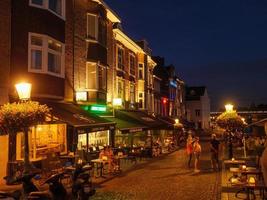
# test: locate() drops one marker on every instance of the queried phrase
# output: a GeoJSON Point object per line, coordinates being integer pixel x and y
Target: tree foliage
{"type": "Point", "coordinates": [230, 121]}
{"type": "Point", "coordinates": [16, 117]}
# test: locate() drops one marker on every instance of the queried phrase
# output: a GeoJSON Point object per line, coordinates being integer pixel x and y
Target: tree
{"type": "Point", "coordinates": [230, 121]}
{"type": "Point", "coordinates": [19, 117]}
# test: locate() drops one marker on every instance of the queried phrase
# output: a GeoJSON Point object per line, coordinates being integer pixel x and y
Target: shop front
{"type": "Point", "coordinates": [43, 140]}
{"type": "Point", "coordinates": [154, 135]}
{"type": "Point", "coordinates": [85, 132]}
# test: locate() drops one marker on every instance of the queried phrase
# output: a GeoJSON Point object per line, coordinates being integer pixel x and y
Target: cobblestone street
{"type": "Point", "coordinates": [165, 178]}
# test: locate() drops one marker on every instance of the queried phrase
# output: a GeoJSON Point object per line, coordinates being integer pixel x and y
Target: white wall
{"type": "Point", "coordinates": [3, 157]}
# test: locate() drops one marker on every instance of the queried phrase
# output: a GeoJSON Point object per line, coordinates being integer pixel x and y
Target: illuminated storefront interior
{"type": "Point", "coordinates": [93, 139]}
{"type": "Point", "coordinates": [43, 139]}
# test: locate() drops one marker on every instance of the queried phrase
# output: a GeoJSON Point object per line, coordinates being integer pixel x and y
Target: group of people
{"type": "Point", "coordinates": [193, 148]}
{"type": "Point", "coordinates": [107, 154]}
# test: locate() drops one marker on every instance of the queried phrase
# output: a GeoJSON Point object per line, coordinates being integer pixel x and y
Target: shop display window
{"type": "Point", "coordinates": [43, 139]}
{"type": "Point", "coordinates": [92, 140]}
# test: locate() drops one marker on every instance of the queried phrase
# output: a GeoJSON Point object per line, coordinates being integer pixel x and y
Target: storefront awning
{"type": "Point", "coordinates": [170, 122]}
{"type": "Point", "coordinates": [81, 120]}
{"type": "Point", "coordinates": [126, 126]}
{"type": "Point", "coordinates": [141, 117]}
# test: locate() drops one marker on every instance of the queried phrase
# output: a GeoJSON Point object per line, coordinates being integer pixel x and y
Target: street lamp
{"type": "Point", "coordinates": [24, 91]}
{"type": "Point", "coordinates": [229, 107]}
{"type": "Point", "coordinates": [176, 121]}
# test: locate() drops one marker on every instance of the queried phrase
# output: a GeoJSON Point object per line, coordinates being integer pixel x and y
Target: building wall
{"type": "Point", "coordinates": [4, 157]}
{"type": "Point", "coordinates": [39, 21]}
{"type": "Point", "coordinates": [205, 112]}
{"type": "Point", "coordinates": [5, 34]}
{"type": "Point", "coordinates": [191, 107]}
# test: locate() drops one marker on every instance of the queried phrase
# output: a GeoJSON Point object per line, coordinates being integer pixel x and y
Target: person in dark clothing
{"type": "Point", "coordinates": [214, 149]}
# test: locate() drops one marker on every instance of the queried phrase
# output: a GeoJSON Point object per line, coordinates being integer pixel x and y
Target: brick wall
{"type": "Point", "coordinates": [5, 23]}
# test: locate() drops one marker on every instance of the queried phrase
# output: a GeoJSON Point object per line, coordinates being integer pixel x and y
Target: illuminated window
{"type": "Point", "coordinates": [120, 89]}
{"type": "Point", "coordinates": [141, 71]}
{"type": "Point", "coordinates": [43, 139]}
{"type": "Point", "coordinates": [141, 99]}
{"type": "Point", "coordinates": [120, 60]}
{"type": "Point", "coordinates": [96, 76]}
{"type": "Point", "coordinates": [132, 93]}
{"type": "Point", "coordinates": [92, 26]}
{"type": "Point", "coordinates": [46, 55]}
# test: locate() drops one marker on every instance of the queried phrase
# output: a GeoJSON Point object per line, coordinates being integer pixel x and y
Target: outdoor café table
{"type": "Point", "coordinates": [118, 158]}
{"type": "Point", "coordinates": [250, 188]}
{"type": "Point", "coordinates": [69, 158]}
{"type": "Point", "coordinates": [247, 171]}
{"type": "Point", "coordinates": [101, 163]}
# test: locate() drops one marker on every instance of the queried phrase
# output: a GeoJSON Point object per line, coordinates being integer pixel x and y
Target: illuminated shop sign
{"type": "Point", "coordinates": [173, 84]}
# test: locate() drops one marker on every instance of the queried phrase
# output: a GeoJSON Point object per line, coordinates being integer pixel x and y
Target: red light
{"type": "Point", "coordinates": [164, 101]}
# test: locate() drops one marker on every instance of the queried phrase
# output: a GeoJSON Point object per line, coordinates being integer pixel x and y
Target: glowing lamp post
{"type": "Point", "coordinates": [24, 91]}
{"type": "Point", "coordinates": [229, 107]}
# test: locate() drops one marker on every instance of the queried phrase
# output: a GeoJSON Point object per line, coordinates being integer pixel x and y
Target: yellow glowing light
{"type": "Point", "coordinates": [117, 102]}
{"type": "Point", "coordinates": [177, 121]}
{"type": "Point", "coordinates": [251, 180]}
{"type": "Point", "coordinates": [24, 90]}
{"type": "Point", "coordinates": [229, 107]}
{"type": "Point", "coordinates": [81, 96]}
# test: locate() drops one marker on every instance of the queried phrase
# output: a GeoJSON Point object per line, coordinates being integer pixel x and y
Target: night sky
{"type": "Point", "coordinates": [221, 44]}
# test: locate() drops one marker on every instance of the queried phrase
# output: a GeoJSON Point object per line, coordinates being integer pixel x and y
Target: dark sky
{"type": "Point", "coordinates": [218, 43]}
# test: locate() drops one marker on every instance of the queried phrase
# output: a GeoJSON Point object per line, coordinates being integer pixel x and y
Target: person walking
{"type": "Point", "coordinates": [197, 152]}
{"type": "Point", "coordinates": [214, 149]}
{"type": "Point", "coordinates": [189, 149]}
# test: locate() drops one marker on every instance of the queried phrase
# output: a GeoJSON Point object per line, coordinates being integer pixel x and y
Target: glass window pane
{"type": "Point", "coordinates": [56, 46]}
{"type": "Point", "coordinates": [92, 26]}
{"type": "Point", "coordinates": [37, 2]}
{"type": "Point", "coordinates": [56, 6]}
{"type": "Point", "coordinates": [35, 40]}
{"type": "Point", "coordinates": [91, 76]}
{"type": "Point", "coordinates": [54, 63]}
{"type": "Point", "coordinates": [36, 59]}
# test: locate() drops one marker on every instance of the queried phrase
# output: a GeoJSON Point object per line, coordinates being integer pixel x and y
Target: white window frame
{"type": "Point", "coordinates": [123, 88]}
{"type": "Point", "coordinates": [45, 50]}
{"type": "Point", "coordinates": [45, 6]}
{"type": "Point", "coordinates": [96, 25]}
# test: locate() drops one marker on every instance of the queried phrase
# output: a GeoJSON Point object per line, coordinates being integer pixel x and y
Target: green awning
{"type": "Point", "coordinates": [127, 126]}
{"type": "Point", "coordinates": [141, 117]}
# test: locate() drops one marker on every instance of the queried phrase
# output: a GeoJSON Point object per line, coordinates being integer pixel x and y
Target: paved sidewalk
{"type": "Point", "coordinates": [165, 178]}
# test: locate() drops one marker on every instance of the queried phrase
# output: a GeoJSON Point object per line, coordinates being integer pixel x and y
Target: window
{"type": "Point", "coordinates": [102, 78]}
{"type": "Point", "coordinates": [141, 99]}
{"type": "Point", "coordinates": [197, 112]}
{"type": "Point", "coordinates": [96, 77]}
{"type": "Point", "coordinates": [37, 2]}
{"type": "Point", "coordinates": [36, 53]}
{"type": "Point", "coordinates": [46, 55]}
{"type": "Point", "coordinates": [141, 71]}
{"type": "Point", "coordinates": [54, 56]}
{"type": "Point", "coordinates": [132, 64]}
{"type": "Point", "coordinates": [132, 92]}
{"type": "Point", "coordinates": [55, 6]}
{"type": "Point", "coordinates": [92, 26]}
{"type": "Point", "coordinates": [120, 59]}
{"type": "Point", "coordinates": [120, 89]}
{"type": "Point", "coordinates": [102, 36]}
{"type": "Point", "coordinates": [91, 76]}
